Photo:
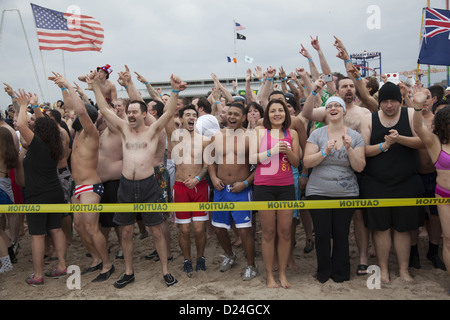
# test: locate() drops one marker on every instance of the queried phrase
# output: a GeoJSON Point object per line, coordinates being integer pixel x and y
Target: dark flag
{"type": "Point", "coordinates": [240, 36]}
{"type": "Point", "coordinates": [435, 40]}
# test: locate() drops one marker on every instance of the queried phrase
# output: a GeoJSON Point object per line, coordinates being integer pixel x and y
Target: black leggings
{"type": "Point", "coordinates": [332, 225]}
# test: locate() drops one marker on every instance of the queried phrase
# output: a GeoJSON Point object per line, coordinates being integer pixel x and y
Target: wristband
{"type": "Point", "coordinates": [35, 106]}
{"type": "Point", "coordinates": [198, 178]}
{"type": "Point", "coordinates": [62, 89]}
{"type": "Point", "coordinates": [381, 148]}
{"type": "Point", "coordinates": [417, 109]}
{"type": "Point", "coordinates": [126, 87]}
{"type": "Point", "coordinates": [323, 153]}
{"type": "Point", "coordinates": [260, 80]}
{"type": "Point", "coordinates": [269, 79]}
{"type": "Point", "coordinates": [283, 80]}
{"type": "Point", "coordinates": [310, 59]}
{"type": "Point", "coordinates": [246, 183]}
{"type": "Point", "coordinates": [357, 79]}
{"type": "Point", "coordinates": [147, 83]}
{"type": "Point", "coordinates": [175, 91]}
{"type": "Point", "coordinates": [268, 153]}
{"type": "Point", "coordinates": [314, 93]}
{"type": "Point", "coordinates": [217, 102]}
{"type": "Point", "coordinates": [304, 175]}
{"type": "Point", "coordinates": [13, 97]}
{"type": "Point", "coordinates": [348, 61]}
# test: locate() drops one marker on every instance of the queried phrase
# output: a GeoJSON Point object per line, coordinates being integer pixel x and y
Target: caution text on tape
{"type": "Point", "coordinates": [222, 206]}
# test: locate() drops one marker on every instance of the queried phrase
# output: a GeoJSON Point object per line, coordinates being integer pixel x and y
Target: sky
{"type": "Point", "coordinates": [192, 38]}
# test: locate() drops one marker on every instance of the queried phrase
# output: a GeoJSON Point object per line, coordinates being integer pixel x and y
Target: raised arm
{"type": "Point", "coordinates": [268, 86]}
{"type": "Point", "coordinates": [126, 81]}
{"type": "Point", "coordinates": [326, 70]}
{"type": "Point", "coordinates": [428, 138]}
{"type": "Point", "coordinates": [369, 102]}
{"type": "Point", "coordinates": [226, 94]}
{"type": "Point", "coordinates": [171, 105]}
{"type": "Point", "coordinates": [310, 110]}
{"type": "Point", "coordinates": [312, 67]}
{"type": "Point", "coordinates": [107, 112]}
{"type": "Point", "coordinates": [22, 120]}
{"type": "Point", "coordinates": [151, 91]}
{"type": "Point", "coordinates": [78, 105]}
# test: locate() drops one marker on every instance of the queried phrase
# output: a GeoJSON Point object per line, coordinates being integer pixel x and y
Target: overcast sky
{"type": "Point", "coordinates": [192, 38]}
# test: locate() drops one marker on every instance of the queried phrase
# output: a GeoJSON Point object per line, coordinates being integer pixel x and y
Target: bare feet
{"type": "Point", "coordinates": [271, 283]}
{"type": "Point", "coordinates": [284, 282]}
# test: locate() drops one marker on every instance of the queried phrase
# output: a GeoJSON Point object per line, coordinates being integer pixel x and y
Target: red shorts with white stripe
{"type": "Point", "coordinates": [181, 193]}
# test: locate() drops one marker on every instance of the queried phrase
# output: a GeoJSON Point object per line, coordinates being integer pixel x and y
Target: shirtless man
{"type": "Point", "coordinates": [88, 186]}
{"type": "Point", "coordinates": [354, 114]}
{"type": "Point", "coordinates": [138, 183]}
{"type": "Point", "coordinates": [108, 88]}
{"type": "Point", "coordinates": [109, 167]}
{"type": "Point", "coordinates": [190, 184]}
{"type": "Point", "coordinates": [232, 183]}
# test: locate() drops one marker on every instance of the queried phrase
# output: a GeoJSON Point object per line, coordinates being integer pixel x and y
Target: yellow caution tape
{"type": "Point", "coordinates": [221, 206]}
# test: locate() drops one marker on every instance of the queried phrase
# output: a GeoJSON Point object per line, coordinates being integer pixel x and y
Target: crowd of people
{"type": "Point", "coordinates": [314, 135]}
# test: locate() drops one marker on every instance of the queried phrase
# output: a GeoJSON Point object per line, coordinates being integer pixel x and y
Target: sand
{"type": "Point", "coordinates": [429, 283]}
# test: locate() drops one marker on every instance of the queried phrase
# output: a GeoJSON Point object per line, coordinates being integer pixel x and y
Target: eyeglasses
{"type": "Point", "coordinates": [12, 110]}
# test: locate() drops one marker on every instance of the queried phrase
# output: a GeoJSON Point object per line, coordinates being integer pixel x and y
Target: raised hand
{"type": "Point", "coordinates": [258, 73]}
{"type": "Point", "coordinates": [140, 78]}
{"type": "Point", "coordinates": [22, 98]}
{"type": "Point", "coordinates": [8, 89]}
{"type": "Point", "coordinates": [315, 43]}
{"type": "Point", "coordinates": [304, 52]}
{"type": "Point", "coordinates": [124, 77]}
{"type": "Point", "coordinates": [177, 84]}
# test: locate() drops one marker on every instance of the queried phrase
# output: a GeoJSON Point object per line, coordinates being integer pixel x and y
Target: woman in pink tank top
{"type": "Point", "coordinates": [437, 143]}
{"type": "Point", "coordinates": [278, 150]}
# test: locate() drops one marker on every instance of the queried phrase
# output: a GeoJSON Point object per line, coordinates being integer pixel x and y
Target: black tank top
{"type": "Point", "coordinates": [393, 173]}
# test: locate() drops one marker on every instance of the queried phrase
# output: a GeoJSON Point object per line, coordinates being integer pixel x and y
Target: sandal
{"type": "Point", "coordinates": [362, 270]}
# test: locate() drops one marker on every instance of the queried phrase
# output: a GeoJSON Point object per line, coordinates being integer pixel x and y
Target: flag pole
{"type": "Point", "coordinates": [64, 64]}
{"type": "Point", "coordinates": [448, 69]}
{"type": "Point", "coordinates": [28, 45]}
{"type": "Point", "coordinates": [429, 69]}
{"type": "Point", "coordinates": [235, 50]}
{"type": "Point", "coordinates": [43, 65]}
{"type": "Point", "coordinates": [420, 41]}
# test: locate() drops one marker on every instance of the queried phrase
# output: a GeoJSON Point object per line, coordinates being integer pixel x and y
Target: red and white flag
{"type": "Point", "coordinates": [67, 31]}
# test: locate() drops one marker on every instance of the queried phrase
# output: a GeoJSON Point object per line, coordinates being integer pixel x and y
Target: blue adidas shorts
{"type": "Point", "coordinates": [224, 219]}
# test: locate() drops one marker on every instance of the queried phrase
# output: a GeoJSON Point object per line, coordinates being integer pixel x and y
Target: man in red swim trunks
{"type": "Point", "coordinates": [190, 183]}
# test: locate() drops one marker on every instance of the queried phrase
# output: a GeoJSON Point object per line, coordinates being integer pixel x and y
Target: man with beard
{"type": "Point", "coordinates": [190, 184]}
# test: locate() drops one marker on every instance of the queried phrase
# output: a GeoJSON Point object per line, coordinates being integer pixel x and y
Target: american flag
{"type": "Point", "coordinates": [67, 31]}
{"type": "Point", "coordinates": [239, 26]}
{"type": "Point", "coordinates": [435, 42]}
